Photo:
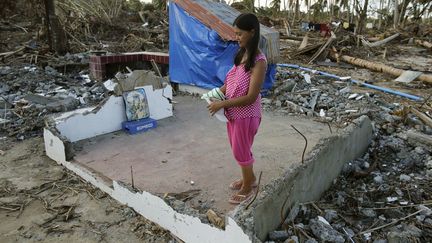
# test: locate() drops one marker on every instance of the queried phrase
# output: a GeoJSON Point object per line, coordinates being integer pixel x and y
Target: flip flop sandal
{"type": "Point", "coordinates": [238, 198]}
{"type": "Point", "coordinates": [237, 184]}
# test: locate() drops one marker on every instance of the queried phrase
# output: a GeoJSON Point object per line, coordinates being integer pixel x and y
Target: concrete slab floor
{"type": "Point", "coordinates": [191, 146]}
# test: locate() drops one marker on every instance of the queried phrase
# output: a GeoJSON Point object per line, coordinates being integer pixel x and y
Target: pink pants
{"type": "Point", "coordinates": [241, 133]}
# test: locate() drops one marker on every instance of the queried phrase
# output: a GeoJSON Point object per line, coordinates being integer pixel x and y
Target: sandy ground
{"type": "Point", "coordinates": [41, 202]}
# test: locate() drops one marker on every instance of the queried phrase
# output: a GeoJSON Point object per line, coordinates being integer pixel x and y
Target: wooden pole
{"type": "Point", "coordinates": [379, 67]}
{"type": "Point", "coordinates": [56, 34]}
{"type": "Point", "coordinates": [48, 4]}
{"type": "Point", "coordinates": [427, 120]}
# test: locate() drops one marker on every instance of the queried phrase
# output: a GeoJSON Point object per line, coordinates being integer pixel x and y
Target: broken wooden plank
{"type": "Point", "coordinates": [155, 67]}
{"type": "Point", "coordinates": [408, 76]}
{"type": "Point", "coordinates": [308, 49]}
{"type": "Point", "coordinates": [424, 44]}
{"type": "Point", "coordinates": [10, 53]}
{"type": "Point", "coordinates": [379, 43]}
{"type": "Point", "coordinates": [304, 42]}
{"type": "Point", "coordinates": [323, 47]}
{"type": "Point", "coordinates": [426, 119]}
{"type": "Point", "coordinates": [287, 27]}
{"type": "Point", "coordinates": [378, 67]}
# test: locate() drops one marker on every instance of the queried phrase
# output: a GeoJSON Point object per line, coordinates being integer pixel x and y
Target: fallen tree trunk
{"type": "Point", "coordinates": [379, 67]}
{"type": "Point", "coordinates": [416, 139]}
{"type": "Point", "coordinates": [424, 43]}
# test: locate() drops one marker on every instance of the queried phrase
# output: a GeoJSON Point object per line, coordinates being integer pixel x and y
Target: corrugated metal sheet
{"type": "Point", "coordinates": [220, 17]}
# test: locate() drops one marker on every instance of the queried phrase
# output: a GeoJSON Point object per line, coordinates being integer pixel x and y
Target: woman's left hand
{"type": "Point", "coordinates": [215, 106]}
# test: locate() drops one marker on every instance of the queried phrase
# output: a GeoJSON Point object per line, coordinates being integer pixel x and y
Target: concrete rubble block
{"type": "Point", "coordinates": [370, 213]}
{"type": "Point", "coordinates": [380, 241]}
{"type": "Point", "coordinates": [5, 70]}
{"type": "Point", "coordinates": [66, 104]}
{"type": "Point", "coordinates": [425, 210]}
{"type": "Point", "coordinates": [428, 222]}
{"type": "Point", "coordinates": [409, 233]}
{"type": "Point", "coordinates": [287, 86]}
{"type": "Point", "coordinates": [279, 235]}
{"type": "Point", "coordinates": [330, 215]}
{"type": "Point", "coordinates": [293, 213]}
{"type": "Point", "coordinates": [378, 179]}
{"type": "Point", "coordinates": [404, 178]}
{"type": "Point", "coordinates": [54, 104]}
{"type": "Point", "coordinates": [325, 232]}
{"type": "Point", "coordinates": [138, 78]}
{"type": "Point", "coordinates": [39, 99]}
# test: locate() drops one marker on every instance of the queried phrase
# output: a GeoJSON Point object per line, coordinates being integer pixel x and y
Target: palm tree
{"type": "Point", "coordinates": [249, 5]}
{"type": "Point", "coordinates": [396, 14]}
{"type": "Point", "coordinates": [160, 4]}
{"type": "Point", "coordinates": [343, 4]}
{"type": "Point", "coordinates": [275, 5]}
{"type": "Point", "coordinates": [362, 15]}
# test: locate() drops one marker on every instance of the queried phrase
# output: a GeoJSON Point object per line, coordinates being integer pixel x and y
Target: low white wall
{"type": "Point", "coordinates": [108, 117]}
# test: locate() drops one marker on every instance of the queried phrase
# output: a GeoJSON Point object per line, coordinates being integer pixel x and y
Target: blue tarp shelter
{"type": "Point", "coordinates": [202, 43]}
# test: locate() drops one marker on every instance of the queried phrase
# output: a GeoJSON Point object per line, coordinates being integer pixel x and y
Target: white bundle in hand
{"type": "Point", "coordinates": [212, 95]}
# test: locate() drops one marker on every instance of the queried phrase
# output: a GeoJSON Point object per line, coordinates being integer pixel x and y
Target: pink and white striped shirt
{"type": "Point", "coordinates": [237, 84]}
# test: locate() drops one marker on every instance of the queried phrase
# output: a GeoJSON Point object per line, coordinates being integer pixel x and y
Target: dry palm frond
{"type": "Point", "coordinates": [103, 10]}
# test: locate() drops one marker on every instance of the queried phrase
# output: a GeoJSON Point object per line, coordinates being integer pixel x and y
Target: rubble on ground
{"type": "Point", "coordinates": [42, 201]}
{"type": "Point", "coordinates": [29, 93]}
{"type": "Point", "coordinates": [384, 196]}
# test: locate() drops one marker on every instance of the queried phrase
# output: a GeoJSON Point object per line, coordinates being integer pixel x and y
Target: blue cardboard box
{"type": "Point", "coordinates": [142, 125]}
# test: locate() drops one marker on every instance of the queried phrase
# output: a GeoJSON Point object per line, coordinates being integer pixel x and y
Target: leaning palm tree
{"type": "Point", "coordinates": [275, 6]}
{"type": "Point", "coordinates": [249, 5]}
{"type": "Point", "coordinates": [160, 4]}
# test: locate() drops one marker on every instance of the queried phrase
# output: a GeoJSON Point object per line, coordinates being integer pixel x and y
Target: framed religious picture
{"type": "Point", "coordinates": [136, 104]}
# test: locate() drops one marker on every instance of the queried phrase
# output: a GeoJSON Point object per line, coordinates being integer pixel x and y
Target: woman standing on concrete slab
{"type": "Point", "coordinates": [242, 102]}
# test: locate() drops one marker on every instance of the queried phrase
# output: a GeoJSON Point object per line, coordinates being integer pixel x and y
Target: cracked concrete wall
{"type": "Point", "coordinates": [305, 182]}
{"type": "Point", "coordinates": [186, 227]}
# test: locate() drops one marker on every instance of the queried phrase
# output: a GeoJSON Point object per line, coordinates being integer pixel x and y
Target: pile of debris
{"type": "Point", "coordinates": [85, 26]}
{"type": "Point", "coordinates": [339, 43]}
{"type": "Point", "coordinates": [386, 194]}
{"type": "Point", "coordinates": [29, 92]}
{"type": "Point", "coordinates": [115, 29]}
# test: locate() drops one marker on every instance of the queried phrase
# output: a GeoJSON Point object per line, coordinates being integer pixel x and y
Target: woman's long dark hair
{"type": "Point", "coordinates": [248, 22]}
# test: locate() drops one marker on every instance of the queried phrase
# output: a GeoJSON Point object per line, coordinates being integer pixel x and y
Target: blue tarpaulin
{"type": "Point", "coordinates": [198, 55]}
